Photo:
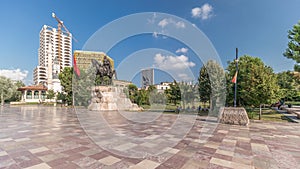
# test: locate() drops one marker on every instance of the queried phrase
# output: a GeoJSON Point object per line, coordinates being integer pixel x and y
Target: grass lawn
{"type": "Point", "coordinates": [267, 115]}
{"type": "Point", "coordinates": [253, 114]}
{"type": "Point", "coordinates": [293, 103]}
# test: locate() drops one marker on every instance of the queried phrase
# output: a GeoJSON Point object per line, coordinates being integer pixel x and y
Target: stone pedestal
{"type": "Point", "coordinates": [111, 98]}
{"type": "Point", "coordinates": [233, 115]}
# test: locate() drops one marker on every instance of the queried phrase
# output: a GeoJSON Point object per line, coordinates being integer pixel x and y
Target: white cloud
{"type": "Point", "coordinates": [16, 74]}
{"type": "Point", "coordinates": [163, 23]}
{"type": "Point", "coordinates": [180, 24]}
{"type": "Point", "coordinates": [204, 12]}
{"type": "Point", "coordinates": [176, 63]}
{"type": "Point", "coordinates": [182, 50]}
{"type": "Point", "coordinates": [184, 77]}
{"type": "Point", "coordinates": [155, 34]}
{"type": "Point", "coordinates": [152, 19]}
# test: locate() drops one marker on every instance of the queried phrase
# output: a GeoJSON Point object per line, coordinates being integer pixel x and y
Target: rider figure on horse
{"type": "Point", "coordinates": [106, 65]}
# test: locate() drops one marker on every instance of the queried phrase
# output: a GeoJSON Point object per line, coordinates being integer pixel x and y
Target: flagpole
{"type": "Point", "coordinates": [236, 69]}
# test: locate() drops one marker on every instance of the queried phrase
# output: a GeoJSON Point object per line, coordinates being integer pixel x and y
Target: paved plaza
{"type": "Point", "coordinates": [49, 137]}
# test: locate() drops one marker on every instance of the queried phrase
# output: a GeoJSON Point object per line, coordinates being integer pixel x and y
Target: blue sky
{"type": "Point", "coordinates": [257, 28]}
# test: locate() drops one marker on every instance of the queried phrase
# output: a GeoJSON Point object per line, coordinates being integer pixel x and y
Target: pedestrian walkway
{"type": "Point", "coordinates": [48, 137]}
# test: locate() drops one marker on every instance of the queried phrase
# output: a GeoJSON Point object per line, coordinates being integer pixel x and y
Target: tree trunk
{"type": "Point", "coordinates": [2, 99]}
{"type": "Point", "coordinates": [210, 104]}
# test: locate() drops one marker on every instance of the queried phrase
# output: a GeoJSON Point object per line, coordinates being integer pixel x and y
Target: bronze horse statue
{"type": "Point", "coordinates": [103, 69]}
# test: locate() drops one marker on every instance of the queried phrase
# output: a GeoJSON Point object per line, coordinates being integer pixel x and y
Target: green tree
{"type": "Point", "coordinates": [50, 94]}
{"type": "Point", "coordinates": [132, 92]}
{"type": "Point", "coordinates": [65, 78]}
{"type": "Point", "coordinates": [152, 88]}
{"type": "Point", "coordinates": [61, 97]}
{"type": "Point", "coordinates": [142, 97]}
{"type": "Point", "coordinates": [6, 89]}
{"type": "Point", "coordinates": [173, 94]}
{"type": "Point", "coordinates": [204, 85]}
{"type": "Point", "coordinates": [188, 93]}
{"type": "Point", "coordinates": [212, 85]}
{"type": "Point", "coordinates": [160, 98]}
{"type": "Point", "coordinates": [83, 86]}
{"type": "Point", "coordinates": [293, 50]}
{"type": "Point", "coordinates": [289, 86]}
{"type": "Point", "coordinates": [256, 84]}
{"type": "Point", "coordinates": [153, 95]}
{"type": "Point", "coordinates": [16, 95]}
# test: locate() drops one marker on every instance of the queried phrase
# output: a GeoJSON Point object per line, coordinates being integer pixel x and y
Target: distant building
{"type": "Point", "coordinates": [54, 54]}
{"type": "Point", "coordinates": [163, 86]}
{"type": "Point", "coordinates": [40, 75]}
{"type": "Point", "coordinates": [33, 93]}
{"type": "Point", "coordinates": [147, 78]}
{"type": "Point", "coordinates": [121, 83]}
{"type": "Point", "coordinates": [84, 58]}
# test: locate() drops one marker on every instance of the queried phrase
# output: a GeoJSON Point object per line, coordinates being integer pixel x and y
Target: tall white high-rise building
{"type": "Point", "coordinates": [54, 54]}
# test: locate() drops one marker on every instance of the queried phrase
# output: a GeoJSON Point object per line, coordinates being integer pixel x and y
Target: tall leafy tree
{"type": "Point", "coordinates": [293, 50]}
{"type": "Point", "coordinates": [132, 92]}
{"type": "Point", "coordinates": [204, 86]}
{"type": "Point", "coordinates": [188, 93]}
{"type": "Point", "coordinates": [16, 95]}
{"type": "Point", "coordinates": [173, 94]}
{"type": "Point", "coordinates": [155, 96]}
{"type": "Point", "coordinates": [65, 78]}
{"type": "Point", "coordinates": [82, 87]}
{"type": "Point", "coordinates": [50, 94]}
{"type": "Point", "coordinates": [142, 97]}
{"type": "Point", "coordinates": [257, 83]}
{"type": "Point", "coordinates": [6, 89]}
{"type": "Point", "coordinates": [212, 85]}
{"type": "Point", "coordinates": [289, 86]}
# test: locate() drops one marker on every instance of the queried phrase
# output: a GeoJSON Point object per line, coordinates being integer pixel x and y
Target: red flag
{"type": "Point", "coordinates": [234, 77]}
{"type": "Point", "coordinates": [77, 71]}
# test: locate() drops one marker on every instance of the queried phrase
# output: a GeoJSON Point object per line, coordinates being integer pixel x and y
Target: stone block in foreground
{"type": "Point", "coordinates": [233, 115]}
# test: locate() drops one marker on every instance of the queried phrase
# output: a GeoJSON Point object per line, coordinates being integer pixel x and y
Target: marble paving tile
{"type": "Point", "coordinates": [220, 162]}
{"type": "Point", "coordinates": [57, 140]}
{"type": "Point", "coordinates": [125, 146]}
{"type": "Point", "coordinates": [3, 153]}
{"type": "Point", "coordinates": [38, 150]}
{"type": "Point", "coordinates": [145, 164]}
{"type": "Point", "coordinates": [39, 166]}
{"type": "Point", "coordinates": [110, 160]}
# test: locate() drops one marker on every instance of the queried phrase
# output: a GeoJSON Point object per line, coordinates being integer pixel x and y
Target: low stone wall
{"type": "Point", "coordinates": [233, 115]}
{"type": "Point", "coordinates": [17, 103]}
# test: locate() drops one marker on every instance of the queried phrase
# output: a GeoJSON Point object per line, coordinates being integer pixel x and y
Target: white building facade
{"type": "Point", "coordinates": [163, 86]}
{"type": "Point", "coordinates": [54, 54]}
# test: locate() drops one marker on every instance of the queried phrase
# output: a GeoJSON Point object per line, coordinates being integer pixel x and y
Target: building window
{"type": "Point", "coordinates": [36, 94]}
{"type": "Point", "coordinates": [29, 94]}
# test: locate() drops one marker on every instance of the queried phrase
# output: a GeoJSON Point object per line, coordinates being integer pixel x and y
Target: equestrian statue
{"type": "Point", "coordinates": [103, 69]}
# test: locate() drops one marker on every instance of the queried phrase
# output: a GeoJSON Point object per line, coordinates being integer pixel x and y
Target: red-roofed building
{"type": "Point", "coordinates": [33, 93]}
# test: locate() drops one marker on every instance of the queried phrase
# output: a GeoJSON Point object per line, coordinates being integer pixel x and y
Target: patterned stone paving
{"type": "Point", "coordinates": [45, 137]}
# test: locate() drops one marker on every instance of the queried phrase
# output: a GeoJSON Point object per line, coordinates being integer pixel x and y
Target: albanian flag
{"type": "Point", "coordinates": [234, 77]}
{"type": "Point", "coordinates": [76, 70]}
